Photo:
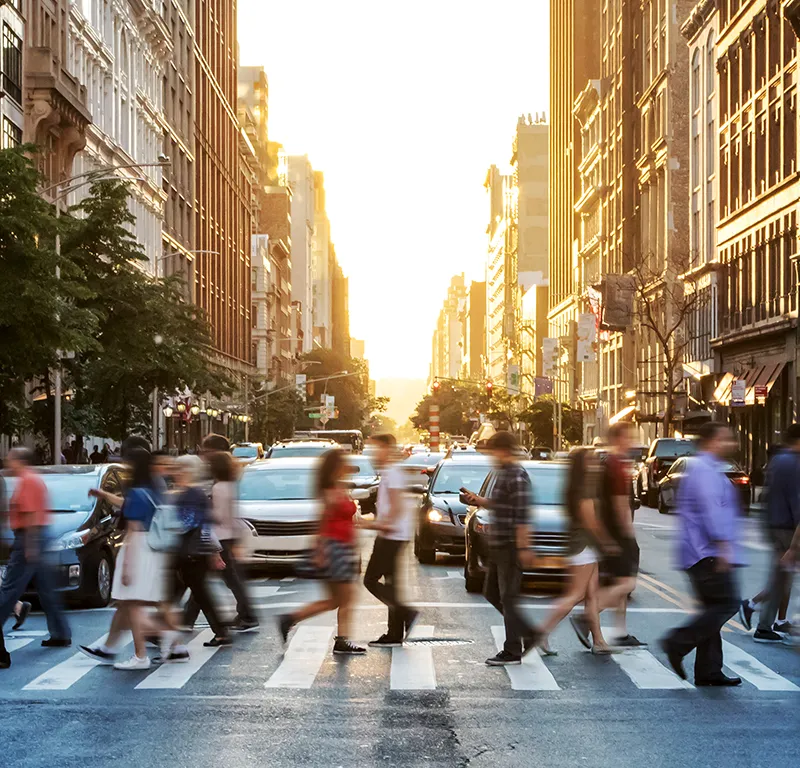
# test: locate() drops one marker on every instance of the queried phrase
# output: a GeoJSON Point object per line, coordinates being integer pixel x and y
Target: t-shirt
{"type": "Point", "coordinates": [224, 510]}
{"type": "Point", "coordinates": [140, 506]}
{"type": "Point", "coordinates": [616, 481]}
{"type": "Point", "coordinates": [29, 505]}
{"type": "Point", "coordinates": [393, 478]}
{"type": "Point", "coordinates": [337, 521]}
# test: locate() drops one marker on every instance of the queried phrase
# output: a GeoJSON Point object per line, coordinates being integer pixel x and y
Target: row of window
{"type": "Point", "coordinates": [12, 64]}
{"type": "Point", "coordinates": [12, 135]}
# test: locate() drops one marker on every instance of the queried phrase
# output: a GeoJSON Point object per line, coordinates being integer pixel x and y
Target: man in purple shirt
{"type": "Point", "coordinates": [708, 550]}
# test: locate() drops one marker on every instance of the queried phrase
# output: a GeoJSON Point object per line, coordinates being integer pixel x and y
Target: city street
{"type": "Point", "coordinates": [425, 704]}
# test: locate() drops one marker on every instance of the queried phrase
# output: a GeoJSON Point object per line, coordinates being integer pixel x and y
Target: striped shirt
{"type": "Point", "coordinates": [510, 499]}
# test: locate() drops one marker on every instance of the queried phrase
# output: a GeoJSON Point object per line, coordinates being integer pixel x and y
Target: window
{"type": "Point", "coordinates": [12, 135]}
{"type": "Point", "coordinates": [12, 64]}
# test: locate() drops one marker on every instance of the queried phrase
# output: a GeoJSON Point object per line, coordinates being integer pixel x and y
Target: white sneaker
{"type": "Point", "coordinates": [134, 663]}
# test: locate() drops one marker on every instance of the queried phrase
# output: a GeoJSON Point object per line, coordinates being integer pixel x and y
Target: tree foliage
{"type": "Point", "coordinates": [539, 419]}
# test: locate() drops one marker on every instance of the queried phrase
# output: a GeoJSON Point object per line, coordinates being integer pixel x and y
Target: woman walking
{"type": "Point", "coordinates": [336, 554]}
{"type": "Point", "coordinates": [585, 532]}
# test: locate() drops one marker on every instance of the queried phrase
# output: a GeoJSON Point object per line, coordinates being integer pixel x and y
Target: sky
{"type": "Point", "coordinates": [403, 106]}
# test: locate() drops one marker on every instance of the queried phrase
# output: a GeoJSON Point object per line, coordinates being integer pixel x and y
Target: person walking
{"type": "Point", "coordinates": [95, 457]}
{"type": "Point", "coordinates": [336, 554]}
{"type": "Point", "coordinates": [29, 510]}
{"type": "Point", "coordinates": [394, 522]}
{"type": "Point", "coordinates": [509, 537]}
{"type": "Point", "coordinates": [708, 550]}
{"type": "Point", "coordinates": [586, 537]}
{"type": "Point", "coordinates": [782, 517]}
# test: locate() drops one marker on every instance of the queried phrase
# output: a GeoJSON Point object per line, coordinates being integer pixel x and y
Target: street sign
{"type": "Point", "coordinates": [314, 415]}
{"type": "Point", "coordinates": [549, 357]}
{"type": "Point", "coordinates": [323, 419]}
{"type": "Point", "coordinates": [587, 335]}
{"type": "Point", "coordinates": [738, 392]}
{"type": "Point", "coordinates": [512, 383]}
{"type": "Point", "coordinates": [761, 391]}
{"type": "Point", "coordinates": [300, 381]}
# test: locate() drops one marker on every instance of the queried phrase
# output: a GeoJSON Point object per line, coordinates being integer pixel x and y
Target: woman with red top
{"type": "Point", "coordinates": [336, 554]}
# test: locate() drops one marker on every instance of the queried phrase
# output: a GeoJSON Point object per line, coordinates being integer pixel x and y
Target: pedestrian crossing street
{"type": "Point", "coordinates": [256, 667]}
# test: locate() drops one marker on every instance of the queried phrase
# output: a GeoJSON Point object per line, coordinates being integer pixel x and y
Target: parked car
{"type": "Point", "coordinates": [84, 535]}
{"type": "Point", "coordinates": [668, 485]}
{"type": "Point", "coordinates": [247, 453]}
{"type": "Point", "coordinates": [663, 452]}
{"type": "Point", "coordinates": [295, 449]}
{"type": "Point", "coordinates": [441, 516]}
{"type": "Point", "coordinates": [366, 478]}
{"type": "Point", "coordinates": [422, 464]}
{"type": "Point", "coordinates": [549, 528]}
{"type": "Point", "coordinates": [278, 505]}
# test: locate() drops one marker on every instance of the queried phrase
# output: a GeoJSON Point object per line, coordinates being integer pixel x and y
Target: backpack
{"type": "Point", "coordinates": [166, 528]}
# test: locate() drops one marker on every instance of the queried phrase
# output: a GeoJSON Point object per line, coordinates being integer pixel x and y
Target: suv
{"type": "Point", "coordinates": [300, 448]}
{"type": "Point", "coordinates": [663, 452]}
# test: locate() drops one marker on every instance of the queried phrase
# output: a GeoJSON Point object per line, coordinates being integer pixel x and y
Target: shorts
{"type": "Point", "coordinates": [342, 561]}
{"type": "Point", "coordinates": [586, 556]}
{"type": "Point", "coordinates": [626, 563]}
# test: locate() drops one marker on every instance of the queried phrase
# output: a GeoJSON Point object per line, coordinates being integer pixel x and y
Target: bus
{"type": "Point", "coordinates": [350, 439]}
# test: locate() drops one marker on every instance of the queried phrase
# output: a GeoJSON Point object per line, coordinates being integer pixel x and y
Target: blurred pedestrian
{"type": "Point", "coordinates": [621, 561]}
{"type": "Point", "coordinates": [22, 609]}
{"type": "Point", "coordinates": [95, 457]}
{"type": "Point", "coordinates": [782, 517]}
{"type": "Point", "coordinates": [509, 541]}
{"type": "Point", "coordinates": [336, 554]}
{"type": "Point", "coordinates": [106, 453]}
{"type": "Point", "coordinates": [586, 538]}
{"type": "Point", "coordinates": [29, 511]}
{"type": "Point", "coordinates": [139, 575]}
{"type": "Point", "coordinates": [708, 550]}
{"type": "Point", "coordinates": [394, 521]}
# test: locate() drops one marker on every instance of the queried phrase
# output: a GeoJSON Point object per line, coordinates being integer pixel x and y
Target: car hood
{"type": "Point", "coordinates": [448, 503]}
{"type": "Point", "coordinates": [60, 523]}
{"type": "Point", "coordinates": [287, 511]}
{"type": "Point", "coordinates": [366, 481]}
{"type": "Point", "coordinates": [547, 518]}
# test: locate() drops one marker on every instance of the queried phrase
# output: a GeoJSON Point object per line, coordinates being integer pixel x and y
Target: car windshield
{"type": "Point", "coordinates": [452, 477]}
{"type": "Point", "coordinates": [426, 460]}
{"type": "Point", "coordinates": [362, 465]}
{"type": "Point", "coordinates": [245, 452]}
{"type": "Point", "coordinates": [548, 484]}
{"type": "Point", "coordinates": [68, 493]}
{"type": "Point", "coordinates": [671, 449]}
{"type": "Point", "coordinates": [298, 451]}
{"type": "Point", "coordinates": [278, 485]}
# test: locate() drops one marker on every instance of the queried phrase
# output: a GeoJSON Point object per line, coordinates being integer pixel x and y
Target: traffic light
{"type": "Point", "coordinates": [436, 386]}
{"type": "Point", "coordinates": [489, 389]}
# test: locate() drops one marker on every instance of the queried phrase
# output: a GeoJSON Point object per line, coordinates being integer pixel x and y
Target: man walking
{"type": "Point", "coordinates": [28, 516]}
{"type": "Point", "coordinates": [395, 525]}
{"type": "Point", "coordinates": [782, 518]}
{"type": "Point", "coordinates": [509, 537]}
{"type": "Point", "coordinates": [708, 550]}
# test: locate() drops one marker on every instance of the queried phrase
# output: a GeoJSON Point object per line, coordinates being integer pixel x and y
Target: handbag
{"type": "Point", "coordinates": [166, 528]}
{"type": "Point", "coordinates": [200, 542]}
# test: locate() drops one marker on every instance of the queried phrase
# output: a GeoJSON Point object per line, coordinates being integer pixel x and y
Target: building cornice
{"type": "Point", "coordinates": [698, 18]}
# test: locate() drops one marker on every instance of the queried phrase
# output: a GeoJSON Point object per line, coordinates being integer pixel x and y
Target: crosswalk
{"type": "Point", "coordinates": [412, 667]}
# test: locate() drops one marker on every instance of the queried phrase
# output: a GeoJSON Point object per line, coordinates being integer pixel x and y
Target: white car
{"type": "Point", "coordinates": [277, 504]}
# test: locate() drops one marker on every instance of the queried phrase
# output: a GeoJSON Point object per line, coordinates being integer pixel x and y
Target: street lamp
{"type": "Point", "coordinates": [168, 411]}
{"type": "Point", "coordinates": [195, 409]}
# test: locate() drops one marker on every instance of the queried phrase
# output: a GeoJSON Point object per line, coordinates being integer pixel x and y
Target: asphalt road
{"type": "Point", "coordinates": [425, 705]}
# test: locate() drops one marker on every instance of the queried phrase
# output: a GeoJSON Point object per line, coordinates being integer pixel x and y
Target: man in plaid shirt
{"type": "Point", "coordinates": [509, 501]}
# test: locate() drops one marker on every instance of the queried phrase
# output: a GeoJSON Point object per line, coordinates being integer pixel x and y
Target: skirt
{"type": "Point", "coordinates": [149, 571]}
{"type": "Point", "coordinates": [587, 556]}
{"type": "Point", "coordinates": [342, 562]}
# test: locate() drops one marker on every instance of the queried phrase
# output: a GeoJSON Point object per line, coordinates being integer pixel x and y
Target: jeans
{"type": "Point", "coordinates": [383, 565]}
{"type": "Point", "coordinates": [192, 573]}
{"type": "Point", "coordinates": [780, 579]}
{"type": "Point", "coordinates": [19, 573]}
{"type": "Point", "coordinates": [501, 589]}
{"type": "Point", "coordinates": [718, 594]}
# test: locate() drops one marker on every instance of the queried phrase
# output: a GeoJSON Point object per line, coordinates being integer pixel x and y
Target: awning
{"type": "Point", "coordinates": [625, 413]}
{"type": "Point", "coordinates": [762, 375]}
{"type": "Point", "coordinates": [767, 376]}
{"type": "Point", "coordinates": [723, 389]}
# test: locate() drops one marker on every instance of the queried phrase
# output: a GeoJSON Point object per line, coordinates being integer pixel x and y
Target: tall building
{"type": "Point", "coordinates": [300, 178]}
{"type": "Point", "coordinates": [529, 161]}
{"type": "Point", "coordinates": [498, 330]}
{"type": "Point", "coordinates": [222, 191]}
{"type": "Point", "coordinates": [447, 344]}
{"type": "Point", "coordinates": [473, 327]}
{"type": "Point", "coordinates": [11, 74]}
{"type": "Point", "coordinates": [321, 276]}
{"type": "Point", "coordinates": [340, 310]}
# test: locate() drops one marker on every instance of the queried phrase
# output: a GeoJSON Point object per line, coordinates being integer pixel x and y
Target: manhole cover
{"type": "Point", "coordinates": [438, 641]}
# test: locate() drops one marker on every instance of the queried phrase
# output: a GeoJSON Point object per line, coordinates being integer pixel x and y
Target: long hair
{"type": "Point", "coordinates": [576, 480]}
{"type": "Point", "coordinates": [141, 463]}
{"type": "Point", "coordinates": [332, 461]}
{"type": "Point", "coordinates": [222, 467]}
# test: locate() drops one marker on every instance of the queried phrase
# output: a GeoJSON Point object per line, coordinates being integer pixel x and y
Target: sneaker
{"type": "Point", "coordinates": [178, 654]}
{"type": "Point", "coordinates": [344, 647]}
{"type": "Point", "coordinates": [56, 642]}
{"type": "Point", "coordinates": [767, 636]}
{"type": "Point", "coordinates": [792, 641]}
{"type": "Point", "coordinates": [384, 641]}
{"type": "Point", "coordinates": [98, 654]}
{"type": "Point", "coordinates": [219, 641]}
{"type": "Point", "coordinates": [285, 625]}
{"type": "Point", "coordinates": [21, 616]}
{"type": "Point", "coordinates": [503, 659]}
{"type": "Point", "coordinates": [629, 641]}
{"type": "Point", "coordinates": [784, 627]}
{"type": "Point", "coordinates": [134, 664]}
{"type": "Point", "coordinates": [581, 627]}
{"type": "Point", "coordinates": [244, 625]}
{"type": "Point", "coordinates": [746, 612]}
{"type": "Point", "coordinates": [411, 620]}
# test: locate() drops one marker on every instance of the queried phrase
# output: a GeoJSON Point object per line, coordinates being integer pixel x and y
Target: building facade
{"type": "Point", "coordinates": [501, 252]}
{"type": "Point", "coordinates": [340, 310]}
{"type": "Point", "coordinates": [447, 343]}
{"type": "Point", "coordinates": [12, 122]}
{"type": "Point", "coordinates": [322, 254]}
{"type": "Point", "coordinates": [473, 326]}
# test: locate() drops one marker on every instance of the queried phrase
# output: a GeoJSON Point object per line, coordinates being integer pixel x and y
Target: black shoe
{"type": "Point", "coordinates": [285, 625]}
{"type": "Point", "coordinates": [411, 620]}
{"type": "Point", "coordinates": [746, 614]}
{"type": "Point", "coordinates": [244, 625]}
{"type": "Point", "coordinates": [784, 627]}
{"type": "Point", "coordinates": [56, 642]}
{"type": "Point", "coordinates": [581, 627]}
{"type": "Point", "coordinates": [178, 654]}
{"type": "Point", "coordinates": [721, 681]}
{"type": "Point", "coordinates": [767, 636]}
{"type": "Point", "coordinates": [5, 661]}
{"type": "Point", "coordinates": [343, 647]}
{"type": "Point", "coordinates": [674, 658]}
{"type": "Point", "coordinates": [629, 641]}
{"type": "Point", "coordinates": [503, 659]}
{"type": "Point", "coordinates": [384, 641]}
{"type": "Point", "coordinates": [153, 640]}
{"type": "Point", "coordinates": [531, 641]}
{"type": "Point", "coordinates": [95, 653]}
{"type": "Point", "coordinates": [21, 616]}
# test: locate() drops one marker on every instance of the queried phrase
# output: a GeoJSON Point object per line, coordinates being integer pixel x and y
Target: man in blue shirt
{"type": "Point", "coordinates": [708, 550]}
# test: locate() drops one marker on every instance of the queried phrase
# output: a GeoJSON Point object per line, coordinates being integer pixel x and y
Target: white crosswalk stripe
{"type": "Point", "coordinates": [15, 643]}
{"type": "Point", "coordinates": [751, 669]}
{"type": "Point", "coordinates": [412, 668]}
{"type": "Point", "coordinates": [647, 672]}
{"type": "Point", "coordinates": [306, 653]}
{"type": "Point", "coordinates": [532, 674]}
{"type": "Point", "coordinates": [176, 675]}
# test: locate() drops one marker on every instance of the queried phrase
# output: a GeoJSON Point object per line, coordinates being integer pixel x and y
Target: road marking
{"type": "Point", "coordinates": [303, 658]}
{"type": "Point", "coordinates": [176, 675]}
{"type": "Point", "coordinates": [532, 674]}
{"type": "Point", "coordinates": [412, 667]}
{"type": "Point", "coordinates": [263, 591]}
{"type": "Point", "coordinates": [751, 669]}
{"type": "Point", "coordinates": [288, 578]}
{"type": "Point", "coordinates": [67, 673]}
{"type": "Point", "coordinates": [450, 575]}
{"type": "Point", "coordinates": [757, 546]}
{"type": "Point", "coordinates": [26, 633]}
{"type": "Point", "coordinates": [530, 606]}
{"type": "Point", "coordinates": [15, 643]}
{"type": "Point", "coordinates": [647, 672]}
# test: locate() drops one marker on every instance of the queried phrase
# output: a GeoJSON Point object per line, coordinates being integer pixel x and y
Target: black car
{"type": "Point", "coordinates": [440, 522]}
{"type": "Point", "coordinates": [365, 478]}
{"type": "Point", "coordinates": [668, 486]}
{"type": "Point", "coordinates": [84, 535]}
{"type": "Point", "coordinates": [663, 452]}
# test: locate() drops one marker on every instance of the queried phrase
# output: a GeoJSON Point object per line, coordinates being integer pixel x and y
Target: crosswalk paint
{"type": "Point", "coordinates": [532, 674]}
{"type": "Point", "coordinates": [64, 675]}
{"type": "Point", "coordinates": [751, 669]}
{"type": "Point", "coordinates": [647, 672]}
{"type": "Point", "coordinates": [15, 643]}
{"type": "Point", "coordinates": [174, 676]}
{"type": "Point", "coordinates": [307, 651]}
{"type": "Point", "coordinates": [412, 667]}
{"type": "Point", "coordinates": [263, 591]}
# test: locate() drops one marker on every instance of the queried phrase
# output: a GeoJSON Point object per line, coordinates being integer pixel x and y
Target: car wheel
{"type": "Point", "coordinates": [426, 556]}
{"type": "Point", "coordinates": [662, 505]}
{"type": "Point", "coordinates": [103, 579]}
{"type": "Point", "coordinates": [473, 583]}
{"type": "Point", "coordinates": [639, 490]}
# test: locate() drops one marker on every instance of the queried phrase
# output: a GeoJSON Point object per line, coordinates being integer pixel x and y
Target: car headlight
{"type": "Point", "coordinates": [435, 516]}
{"type": "Point", "coordinates": [481, 527]}
{"type": "Point", "coordinates": [72, 540]}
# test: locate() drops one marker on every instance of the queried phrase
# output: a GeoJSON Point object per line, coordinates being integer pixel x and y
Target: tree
{"type": "Point", "coordinates": [539, 419]}
{"type": "Point", "coordinates": [458, 408]}
{"type": "Point", "coordinates": [275, 415]}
